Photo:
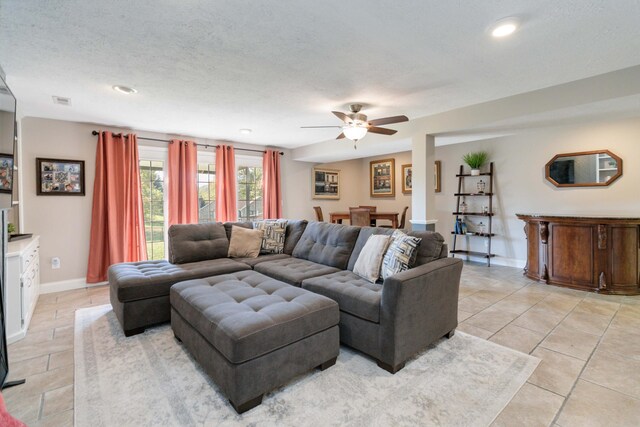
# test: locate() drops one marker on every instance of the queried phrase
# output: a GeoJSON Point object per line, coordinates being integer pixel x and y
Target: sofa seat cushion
{"type": "Point", "coordinates": [293, 270]}
{"type": "Point", "coordinates": [252, 262]}
{"type": "Point", "coordinates": [353, 294]}
{"type": "Point", "coordinates": [246, 314]}
{"type": "Point", "coordinates": [149, 279]}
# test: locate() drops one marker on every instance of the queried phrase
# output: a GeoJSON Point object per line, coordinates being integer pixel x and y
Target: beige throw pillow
{"type": "Point", "coordinates": [245, 242]}
{"type": "Point", "coordinates": [370, 259]}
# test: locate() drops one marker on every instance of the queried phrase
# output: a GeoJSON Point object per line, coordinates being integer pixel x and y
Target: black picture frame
{"type": "Point", "coordinates": [59, 177]}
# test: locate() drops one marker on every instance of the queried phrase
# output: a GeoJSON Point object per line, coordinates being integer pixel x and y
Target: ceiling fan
{"type": "Point", "coordinates": [356, 126]}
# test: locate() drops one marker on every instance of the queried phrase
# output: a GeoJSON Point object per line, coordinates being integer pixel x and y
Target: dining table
{"type": "Point", "coordinates": [338, 217]}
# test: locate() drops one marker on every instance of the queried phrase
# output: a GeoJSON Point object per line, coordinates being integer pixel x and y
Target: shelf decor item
{"type": "Point", "coordinates": [481, 186]}
{"type": "Point", "coordinates": [382, 178]}
{"type": "Point", "coordinates": [57, 177]}
{"type": "Point", "coordinates": [475, 161]}
{"type": "Point", "coordinates": [326, 183]}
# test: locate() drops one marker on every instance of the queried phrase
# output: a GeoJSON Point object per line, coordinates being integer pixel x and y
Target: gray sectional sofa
{"type": "Point", "coordinates": [220, 306]}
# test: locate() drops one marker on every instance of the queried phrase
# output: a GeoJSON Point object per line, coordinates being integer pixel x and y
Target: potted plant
{"type": "Point", "coordinates": [475, 161]}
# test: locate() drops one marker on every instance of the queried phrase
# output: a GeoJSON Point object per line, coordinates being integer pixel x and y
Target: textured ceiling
{"type": "Point", "coordinates": [207, 69]}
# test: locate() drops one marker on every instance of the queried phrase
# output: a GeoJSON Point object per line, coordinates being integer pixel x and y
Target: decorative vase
{"type": "Point", "coordinates": [475, 172]}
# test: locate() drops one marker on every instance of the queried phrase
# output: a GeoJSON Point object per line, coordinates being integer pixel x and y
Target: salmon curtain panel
{"type": "Point", "coordinates": [226, 184]}
{"type": "Point", "coordinates": [117, 219]}
{"type": "Point", "coordinates": [272, 192]}
{"type": "Point", "coordinates": [182, 182]}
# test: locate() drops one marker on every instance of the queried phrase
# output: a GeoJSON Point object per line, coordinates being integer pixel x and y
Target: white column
{"type": "Point", "coordinates": [422, 195]}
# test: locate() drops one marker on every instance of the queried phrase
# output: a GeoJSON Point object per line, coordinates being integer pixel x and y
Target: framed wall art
{"type": "Point", "coordinates": [326, 183]}
{"type": "Point", "coordinates": [382, 178]}
{"type": "Point", "coordinates": [6, 173]}
{"type": "Point", "coordinates": [407, 179]}
{"type": "Point", "coordinates": [57, 177]}
{"type": "Point", "coordinates": [436, 177]}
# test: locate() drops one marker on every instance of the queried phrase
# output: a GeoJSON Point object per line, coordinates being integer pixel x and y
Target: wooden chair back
{"type": "Point", "coordinates": [371, 209]}
{"type": "Point", "coordinates": [360, 217]}
{"type": "Point", "coordinates": [318, 211]}
{"type": "Point", "coordinates": [403, 218]}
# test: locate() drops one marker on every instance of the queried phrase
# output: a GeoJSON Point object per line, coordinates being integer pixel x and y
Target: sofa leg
{"type": "Point", "coordinates": [451, 333]}
{"type": "Point", "coordinates": [132, 332]}
{"type": "Point", "coordinates": [177, 337]}
{"type": "Point", "coordinates": [389, 368]}
{"type": "Point", "coordinates": [249, 404]}
{"type": "Point", "coordinates": [329, 363]}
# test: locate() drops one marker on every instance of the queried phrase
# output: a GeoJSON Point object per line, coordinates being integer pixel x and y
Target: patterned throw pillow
{"type": "Point", "coordinates": [274, 232]}
{"type": "Point", "coordinates": [401, 254]}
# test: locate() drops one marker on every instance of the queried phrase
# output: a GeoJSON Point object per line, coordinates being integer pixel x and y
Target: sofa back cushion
{"type": "Point", "coordinates": [229, 225]}
{"type": "Point", "coordinates": [431, 248]}
{"type": "Point", "coordinates": [295, 228]}
{"type": "Point", "coordinates": [363, 236]}
{"type": "Point", "coordinates": [197, 242]}
{"type": "Point", "coordinates": [328, 244]}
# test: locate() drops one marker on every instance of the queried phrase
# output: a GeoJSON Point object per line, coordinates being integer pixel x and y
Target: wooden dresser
{"type": "Point", "coordinates": [591, 253]}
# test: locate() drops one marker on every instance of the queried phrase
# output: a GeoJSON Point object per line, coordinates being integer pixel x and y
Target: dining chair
{"type": "Point", "coordinates": [403, 218]}
{"type": "Point", "coordinates": [371, 209]}
{"type": "Point", "coordinates": [360, 217]}
{"type": "Point", "coordinates": [318, 211]}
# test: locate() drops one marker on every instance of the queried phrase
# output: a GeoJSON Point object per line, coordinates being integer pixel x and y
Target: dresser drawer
{"type": "Point", "coordinates": [30, 257]}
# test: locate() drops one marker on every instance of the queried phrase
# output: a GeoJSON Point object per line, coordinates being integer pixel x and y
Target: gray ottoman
{"type": "Point", "coordinates": [252, 333]}
{"type": "Point", "coordinates": [139, 291]}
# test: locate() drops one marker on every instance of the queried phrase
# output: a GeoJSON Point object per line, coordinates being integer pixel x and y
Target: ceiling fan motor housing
{"type": "Point", "coordinates": [357, 117]}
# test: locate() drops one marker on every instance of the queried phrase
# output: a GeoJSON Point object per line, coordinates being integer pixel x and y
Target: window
{"type": "Point", "coordinates": [206, 192]}
{"type": "Point", "coordinates": [249, 193]}
{"type": "Point", "coordinates": [152, 183]}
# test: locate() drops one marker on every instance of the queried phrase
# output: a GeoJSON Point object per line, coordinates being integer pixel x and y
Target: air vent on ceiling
{"type": "Point", "coordinates": [4, 90]}
{"type": "Point", "coordinates": [62, 100]}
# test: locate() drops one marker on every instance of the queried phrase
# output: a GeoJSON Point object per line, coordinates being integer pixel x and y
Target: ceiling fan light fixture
{"type": "Point", "coordinates": [504, 27]}
{"type": "Point", "coordinates": [355, 133]}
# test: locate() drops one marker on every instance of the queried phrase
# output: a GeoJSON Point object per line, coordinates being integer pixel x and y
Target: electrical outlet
{"type": "Point", "coordinates": [55, 262]}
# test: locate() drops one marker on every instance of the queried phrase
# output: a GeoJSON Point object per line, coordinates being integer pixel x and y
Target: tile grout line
{"type": "Point", "coordinates": [564, 403]}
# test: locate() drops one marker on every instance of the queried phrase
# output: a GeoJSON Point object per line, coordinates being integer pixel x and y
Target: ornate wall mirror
{"type": "Point", "coordinates": [584, 169]}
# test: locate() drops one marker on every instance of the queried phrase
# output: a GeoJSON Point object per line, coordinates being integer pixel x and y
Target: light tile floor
{"type": "Point", "coordinates": [589, 345]}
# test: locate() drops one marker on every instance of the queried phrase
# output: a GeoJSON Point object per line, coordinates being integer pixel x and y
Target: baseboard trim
{"type": "Point", "coordinates": [498, 260]}
{"type": "Point", "coordinates": [67, 285]}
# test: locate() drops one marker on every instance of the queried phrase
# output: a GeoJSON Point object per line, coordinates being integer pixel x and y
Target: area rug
{"type": "Point", "coordinates": [151, 380]}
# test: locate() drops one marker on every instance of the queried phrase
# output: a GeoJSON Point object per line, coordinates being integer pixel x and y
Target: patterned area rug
{"type": "Point", "coordinates": [150, 380]}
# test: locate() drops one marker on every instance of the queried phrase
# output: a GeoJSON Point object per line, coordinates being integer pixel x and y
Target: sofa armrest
{"type": "Point", "coordinates": [418, 307]}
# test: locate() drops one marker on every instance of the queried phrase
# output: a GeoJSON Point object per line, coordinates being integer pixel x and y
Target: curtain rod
{"type": "Point", "coordinates": [95, 132]}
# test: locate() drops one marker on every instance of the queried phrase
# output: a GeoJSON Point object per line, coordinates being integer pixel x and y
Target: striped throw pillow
{"type": "Point", "coordinates": [401, 254]}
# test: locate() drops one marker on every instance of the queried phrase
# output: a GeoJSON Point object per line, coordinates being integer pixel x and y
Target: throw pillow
{"type": "Point", "coordinates": [401, 254]}
{"type": "Point", "coordinates": [245, 242]}
{"type": "Point", "coordinates": [273, 237]}
{"type": "Point", "coordinates": [370, 259]}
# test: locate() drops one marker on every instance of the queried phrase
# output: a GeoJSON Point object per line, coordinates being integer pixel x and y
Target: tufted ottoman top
{"type": "Point", "coordinates": [246, 314]}
{"type": "Point", "coordinates": [148, 279]}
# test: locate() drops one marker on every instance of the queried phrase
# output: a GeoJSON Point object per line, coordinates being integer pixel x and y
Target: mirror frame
{"type": "Point", "coordinates": [581, 153]}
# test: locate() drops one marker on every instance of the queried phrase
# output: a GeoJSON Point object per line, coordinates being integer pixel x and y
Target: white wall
{"type": "Point", "coordinates": [521, 187]}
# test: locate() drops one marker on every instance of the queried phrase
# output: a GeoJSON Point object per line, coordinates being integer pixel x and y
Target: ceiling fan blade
{"type": "Point", "coordinates": [341, 136]}
{"type": "Point", "coordinates": [342, 116]}
{"type": "Point", "coordinates": [383, 131]}
{"type": "Point", "coordinates": [318, 127]}
{"type": "Point", "coordinates": [388, 120]}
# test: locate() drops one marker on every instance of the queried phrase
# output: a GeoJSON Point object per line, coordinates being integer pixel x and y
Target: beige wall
{"type": "Point", "coordinates": [64, 222]}
{"type": "Point", "coordinates": [521, 186]}
{"type": "Point", "coordinates": [354, 189]}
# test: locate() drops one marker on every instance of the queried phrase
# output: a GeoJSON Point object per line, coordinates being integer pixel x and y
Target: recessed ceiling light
{"type": "Point", "coordinates": [245, 131]}
{"type": "Point", "coordinates": [504, 27]}
{"type": "Point", "coordinates": [124, 89]}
